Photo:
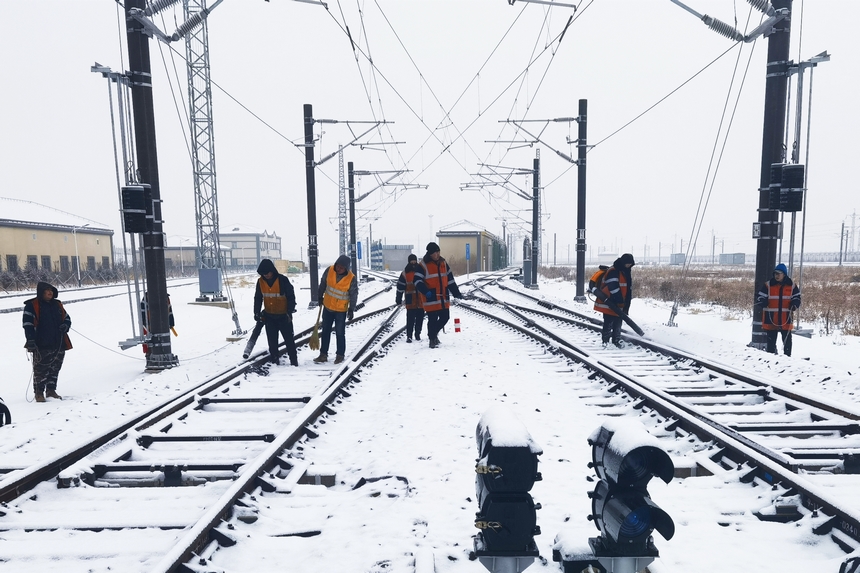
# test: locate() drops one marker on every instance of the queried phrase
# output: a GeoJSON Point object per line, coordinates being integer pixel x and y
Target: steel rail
{"type": "Point", "coordinates": [763, 467]}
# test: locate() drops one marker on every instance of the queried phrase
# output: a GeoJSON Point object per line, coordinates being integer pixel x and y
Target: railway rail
{"type": "Point", "coordinates": [211, 452]}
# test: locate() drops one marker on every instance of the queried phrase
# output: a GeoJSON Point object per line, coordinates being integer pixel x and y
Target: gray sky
{"type": "Point", "coordinates": [446, 73]}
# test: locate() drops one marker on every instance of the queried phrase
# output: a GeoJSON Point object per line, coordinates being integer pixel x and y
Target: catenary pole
{"type": "Point", "coordinates": [140, 79]}
{"type": "Point", "coordinates": [313, 254]}
{"type": "Point", "coordinates": [535, 219]}
{"type": "Point", "coordinates": [352, 240]}
{"type": "Point", "coordinates": [767, 229]}
{"type": "Point", "coordinates": [580, 200]}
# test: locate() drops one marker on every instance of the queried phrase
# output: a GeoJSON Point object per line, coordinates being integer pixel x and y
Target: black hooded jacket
{"type": "Point", "coordinates": [42, 320]}
{"type": "Point", "coordinates": [267, 266]}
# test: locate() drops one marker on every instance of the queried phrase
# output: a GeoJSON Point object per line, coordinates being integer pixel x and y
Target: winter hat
{"type": "Point", "coordinates": [432, 248]}
{"type": "Point", "coordinates": [42, 287]}
{"type": "Point", "coordinates": [627, 258]}
{"type": "Point", "coordinates": [266, 266]}
{"type": "Point", "coordinates": [781, 268]}
{"type": "Point", "coordinates": [412, 259]}
{"type": "Point", "coordinates": [343, 261]}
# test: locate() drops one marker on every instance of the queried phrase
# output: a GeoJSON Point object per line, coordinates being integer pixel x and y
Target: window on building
{"type": "Point", "coordinates": [46, 262]}
{"type": "Point", "coordinates": [91, 263]}
{"type": "Point", "coordinates": [12, 263]}
{"type": "Point", "coordinates": [105, 263]}
{"type": "Point", "coordinates": [64, 264]}
{"type": "Point", "coordinates": [235, 244]}
{"type": "Point", "coordinates": [32, 262]}
{"type": "Point", "coordinates": [75, 264]}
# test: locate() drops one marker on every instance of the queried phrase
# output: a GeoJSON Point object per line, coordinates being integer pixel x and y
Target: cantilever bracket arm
{"type": "Point", "coordinates": [538, 139]}
{"type": "Point", "coordinates": [342, 147]}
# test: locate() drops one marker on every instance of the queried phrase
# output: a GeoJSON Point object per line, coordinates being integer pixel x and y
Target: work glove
{"type": "Point", "coordinates": [793, 308]}
{"type": "Point", "coordinates": [64, 328]}
{"type": "Point", "coordinates": [398, 300]}
{"type": "Point", "coordinates": [349, 315]}
{"type": "Point", "coordinates": [258, 317]}
{"type": "Point", "coordinates": [30, 346]}
{"type": "Point", "coordinates": [431, 295]}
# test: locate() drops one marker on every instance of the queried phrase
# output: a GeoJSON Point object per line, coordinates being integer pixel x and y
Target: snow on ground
{"type": "Point", "coordinates": [387, 524]}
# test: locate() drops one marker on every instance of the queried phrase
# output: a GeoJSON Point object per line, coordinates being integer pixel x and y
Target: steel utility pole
{"type": "Point", "coordinates": [353, 199]}
{"type": "Point", "coordinates": [313, 255]}
{"type": "Point", "coordinates": [535, 218]}
{"type": "Point", "coordinates": [310, 165]}
{"type": "Point", "coordinates": [582, 148]}
{"type": "Point", "coordinates": [140, 78]}
{"type": "Point", "coordinates": [767, 230]}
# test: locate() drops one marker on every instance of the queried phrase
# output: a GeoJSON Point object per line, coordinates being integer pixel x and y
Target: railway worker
{"type": "Point", "coordinates": [338, 294]}
{"type": "Point", "coordinates": [414, 305]}
{"type": "Point", "coordinates": [617, 285]}
{"type": "Point", "coordinates": [778, 298]}
{"type": "Point", "coordinates": [145, 318]}
{"type": "Point", "coordinates": [46, 326]}
{"type": "Point", "coordinates": [435, 281]}
{"type": "Point", "coordinates": [274, 305]}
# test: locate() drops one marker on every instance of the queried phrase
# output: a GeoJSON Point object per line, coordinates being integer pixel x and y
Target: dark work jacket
{"type": "Point", "coordinates": [42, 321]}
{"type": "Point", "coordinates": [286, 289]}
{"type": "Point", "coordinates": [406, 287]}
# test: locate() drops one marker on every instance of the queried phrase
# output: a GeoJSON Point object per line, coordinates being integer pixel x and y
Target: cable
{"type": "Point", "coordinates": [664, 98]}
{"type": "Point", "coordinates": [704, 198]}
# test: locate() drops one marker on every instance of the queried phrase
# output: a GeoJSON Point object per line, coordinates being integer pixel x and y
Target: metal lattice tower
{"type": "Point", "coordinates": [342, 207]}
{"type": "Point", "coordinates": [202, 136]}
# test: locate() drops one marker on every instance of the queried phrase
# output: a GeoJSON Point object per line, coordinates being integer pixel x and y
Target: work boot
{"type": "Point", "coordinates": [323, 357]}
{"type": "Point", "coordinates": [434, 342]}
{"type": "Point", "coordinates": [40, 397]}
{"type": "Point", "coordinates": [417, 336]}
{"type": "Point", "coordinates": [338, 359]}
{"type": "Point", "coordinates": [294, 361]}
{"type": "Point", "coordinates": [51, 393]}
{"type": "Point", "coordinates": [618, 344]}
{"type": "Point", "coordinates": [409, 339]}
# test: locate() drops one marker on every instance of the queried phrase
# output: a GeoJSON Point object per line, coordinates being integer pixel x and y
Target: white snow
{"type": "Point", "coordinates": [418, 512]}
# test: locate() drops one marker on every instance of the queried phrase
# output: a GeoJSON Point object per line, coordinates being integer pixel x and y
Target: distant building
{"type": "Point", "coordinates": [389, 257]}
{"type": "Point", "coordinates": [248, 246]}
{"type": "Point", "coordinates": [37, 236]}
{"type": "Point", "coordinates": [485, 250]}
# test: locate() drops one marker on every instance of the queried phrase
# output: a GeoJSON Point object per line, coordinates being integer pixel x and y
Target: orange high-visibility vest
{"type": "Point", "coordinates": [274, 301]}
{"type": "Point", "coordinates": [336, 297]}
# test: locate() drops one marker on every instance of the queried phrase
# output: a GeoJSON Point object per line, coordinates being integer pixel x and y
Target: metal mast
{"type": "Point", "coordinates": [202, 136]}
{"type": "Point", "coordinates": [342, 209]}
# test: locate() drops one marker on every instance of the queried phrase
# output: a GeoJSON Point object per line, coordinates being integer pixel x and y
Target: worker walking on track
{"type": "Point", "coordinates": [46, 325]}
{"type": "Point", "coordinates": [435, 281]}
{"type": "Point", "coordinates": [414, 305]}
{"type": "Point", "coordinates": [338, 294]}
{"type": "Point", "coordinates": [274, 305]}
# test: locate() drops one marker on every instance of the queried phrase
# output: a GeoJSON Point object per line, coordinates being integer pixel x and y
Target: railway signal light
{"type": "Point", "coordinates": [625, 458]}
{"type": "Point", "coordinates": [506, 470]}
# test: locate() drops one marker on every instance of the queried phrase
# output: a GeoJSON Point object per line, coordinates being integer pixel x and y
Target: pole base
{"type": "Point", "coordinates": [159, 362]}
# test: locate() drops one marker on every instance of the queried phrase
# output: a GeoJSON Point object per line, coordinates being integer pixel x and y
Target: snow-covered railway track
{"type": "Point", "coordinates": [773, 436]}
{"type": "Point", "coordinates": [157, 489]}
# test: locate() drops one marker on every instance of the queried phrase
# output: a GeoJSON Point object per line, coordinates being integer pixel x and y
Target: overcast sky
{"type": "Point", "coordinates": [447, 73]}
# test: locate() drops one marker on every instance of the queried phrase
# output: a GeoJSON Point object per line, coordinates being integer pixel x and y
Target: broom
{"type": "Point", "coordinates": [314, 342]}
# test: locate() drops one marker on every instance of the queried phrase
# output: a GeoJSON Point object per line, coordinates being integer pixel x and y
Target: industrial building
{"type": "Point", "coordinates": [35, 236]}
{"type": "Point", "coordinates": [485, 251]}
{"type": "Point", "coordinates": [248, 246]}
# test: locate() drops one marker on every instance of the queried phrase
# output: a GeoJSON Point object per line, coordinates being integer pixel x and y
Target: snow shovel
{"type": "Point", "coordinates": [252, 340]}
{"type": "Point", "coordinates": [314, 342]}
{"type": "Point", "coordinates": [614, 308]}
